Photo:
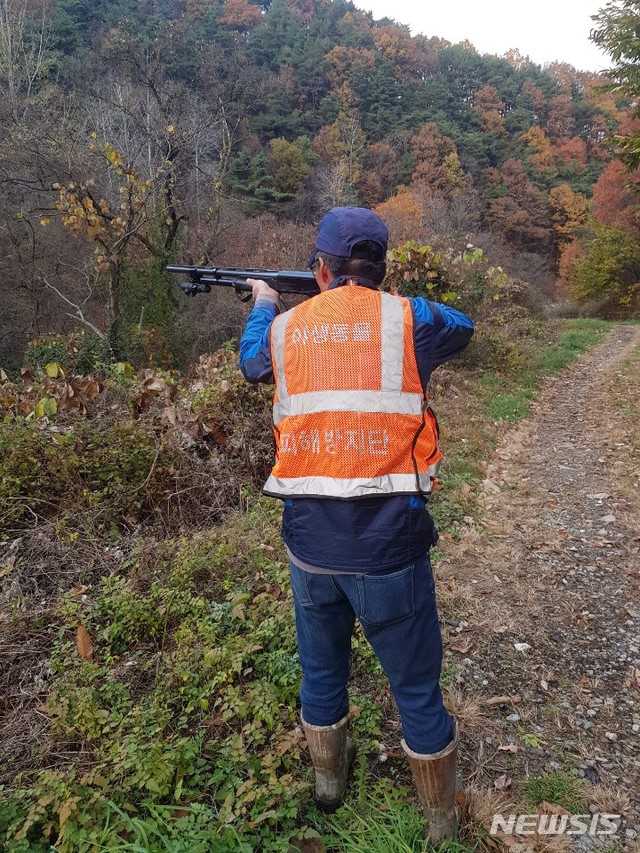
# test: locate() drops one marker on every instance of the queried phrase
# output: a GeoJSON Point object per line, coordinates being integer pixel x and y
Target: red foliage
{"type": "Point", "coordinates": [572, 151]}
{"type": "Point", "coordinates": [613, 203]}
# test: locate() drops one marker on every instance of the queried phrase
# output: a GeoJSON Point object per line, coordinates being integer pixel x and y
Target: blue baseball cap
{"type": "Point", "coordinates": [342, 227]}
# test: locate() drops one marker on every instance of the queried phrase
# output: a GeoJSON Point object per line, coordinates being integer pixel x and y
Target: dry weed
{"type": "Point", "coordinates": [609, 799]}
{"type": "Point", "coordinates": [469, 711]}
{"type": "Point", "coordinates": [481, 804]}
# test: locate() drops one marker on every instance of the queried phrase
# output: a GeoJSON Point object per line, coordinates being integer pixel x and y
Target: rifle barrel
{"type": "Point", "coordinates": [283, 281]}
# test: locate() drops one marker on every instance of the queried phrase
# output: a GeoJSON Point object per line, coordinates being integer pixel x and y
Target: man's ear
{"type": "Point", "coordinates": [324, 276]}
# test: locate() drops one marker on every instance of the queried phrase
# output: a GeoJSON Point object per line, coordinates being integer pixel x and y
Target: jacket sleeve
{"type": "Point", "coordinates": [440, 332]}
{"type": "Point", "coordinates": [255, 344]}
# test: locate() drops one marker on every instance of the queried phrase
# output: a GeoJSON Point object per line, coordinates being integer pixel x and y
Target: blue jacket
{"type": "Point", "coordinates": [368, 534]}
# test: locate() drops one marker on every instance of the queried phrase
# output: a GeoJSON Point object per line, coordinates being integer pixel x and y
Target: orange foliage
{"type": "Point", "coordinates": [431, 150]}
{"type": "Point", "coordinates": [572, 151]}
{"type": "Point", "coordinates": [395, 43]}
{"type": "Point", "coordinates": [564, 73]}
{"type": "Point", "coordinates": [523, 214]}
{"type": "Point", "coordinates": [340, 62]}
{"type": "Point", "coordinates": [327, 144]}
{"type": "Point", "coordinates": [612, 202]}
{"type": "Point", "coordinates": [560, 121]}
{"type": "Point", "coordinates": [379, 177]}
{"type": "Point", "coordinates": [570, 254]}
{"type": "Point", "coordinates": [597, 136]}
{"type": "Point", "coordinates": [489, 106]}
{"type": "Point", "coordinates": [403, 215]}
{"type": "Point", "coordinates": [569, 211]}
{"type": "Point", "coordinates": [543, 159]}
{"type": "Point", "coordinates": [306, 9]}
{"type": "Point", "coordinates": [240, 15]}
{"type": "Point", "coordinates": [537, 96]}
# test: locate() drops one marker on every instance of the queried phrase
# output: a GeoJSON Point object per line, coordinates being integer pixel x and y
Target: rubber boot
{"type": "Point", "coordinates": [332, 753]}
{"type": "Point", "coordinates": [435, 778]}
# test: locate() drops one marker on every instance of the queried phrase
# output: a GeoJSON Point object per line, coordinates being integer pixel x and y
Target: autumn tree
{"type": "Point", "coordinates": [609, 270]}
{"type": "Point", "coordinates": [559, 123]}
{"type": "Point", "coordinates": [340, 148]}
{"type": "Point", "coordinates": [614, 201]}
{"type": "Point", "coordinates": [403, 216]}
{"type": "Point", "coordinates": [141, 218]}
{"type": "Point", "coordinates": [616, 32]}
{"type": "Point", "coordinates": [522, 214]}
{"type": "Point", "coordinates": [240, 15]}
{"type": "Point", "coordinates": [542, 156]}
{"type": "Point", "coordinates": [437, 162]}
{"type": "Point", "coordinates": [290, 163]}
{"type": "Point", "coordinates": [490, 108]}
{"type": "Point", "coordinates": [569, 212]}
{"type": "Point", "coordinates": [380, 173]}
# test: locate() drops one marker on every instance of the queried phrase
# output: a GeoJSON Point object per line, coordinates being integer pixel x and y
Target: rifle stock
{"type": "Point", "coordinates": [202, 279]}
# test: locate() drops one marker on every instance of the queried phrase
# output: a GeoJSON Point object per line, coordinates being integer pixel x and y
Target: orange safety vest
{"type": "Point", "coordinates": [351, 418]}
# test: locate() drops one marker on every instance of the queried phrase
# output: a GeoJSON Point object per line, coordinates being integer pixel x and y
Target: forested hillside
{"type": "Point", "coordinates": [141, 132]}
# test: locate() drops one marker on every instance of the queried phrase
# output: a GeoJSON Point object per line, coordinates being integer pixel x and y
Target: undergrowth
{"type": "Point", "coordinates": [158, 634]}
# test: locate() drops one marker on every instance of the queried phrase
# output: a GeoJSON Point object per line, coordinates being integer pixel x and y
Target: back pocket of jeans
{"type": "Point", "coordinates": [387, 598]}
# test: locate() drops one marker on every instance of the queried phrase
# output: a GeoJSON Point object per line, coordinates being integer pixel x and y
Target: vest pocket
{"type": "Point", "coordinates": [388, 598]}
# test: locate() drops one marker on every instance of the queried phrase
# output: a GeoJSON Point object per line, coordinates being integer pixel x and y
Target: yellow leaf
{"type": "Point", "coordinates": [83, 643]}
{"type": "Point", "coordinates": [53, 370]}
{"type": "Point", "coordinates": [171, 129]}
{"type": "Point", "coordinates": [45, 220]}
{"type": "Point", "coordinates": [65, 811]}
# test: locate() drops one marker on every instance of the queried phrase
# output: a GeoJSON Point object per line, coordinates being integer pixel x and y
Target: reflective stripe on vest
{"type": "Point", "coordinates": [336, 440]}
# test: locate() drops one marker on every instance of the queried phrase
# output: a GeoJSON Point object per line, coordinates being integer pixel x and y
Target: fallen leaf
{"type": "Point", "coordinates": [508, 747]}
{"type": "Point", "coordinates": [462, 645]}
{"type": "Point", "coordinates": [83, 643]}
{"type": "Point", "coordinates": [503, 700]}
{"type": "Point", "coordinates": [170, 414]}
{"type": "Point", "coordinates": [491, 842]}
{"type": "Point", "coordinates": [551, 808]}
{"type": "Point", "coordinates": [502, 782]}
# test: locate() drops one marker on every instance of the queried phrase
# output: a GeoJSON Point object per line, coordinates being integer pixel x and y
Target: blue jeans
{"type": "Point", "coordinates": [398, 615]}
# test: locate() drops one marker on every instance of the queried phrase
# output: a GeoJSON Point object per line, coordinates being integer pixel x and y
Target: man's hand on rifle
{"type": "Point", "coordinates": [262, 292]}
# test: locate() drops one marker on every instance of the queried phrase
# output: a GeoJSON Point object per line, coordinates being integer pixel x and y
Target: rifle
{"type": "Point", "coordinates": [202, 279]}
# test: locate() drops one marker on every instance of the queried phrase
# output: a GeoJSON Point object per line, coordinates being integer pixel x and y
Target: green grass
{"type": "Point", "coordinates": [509, 395]}
{"type": "Point", "coordinates": [384, 824]}
{"type": "Point", "coordinates": [560, 788]}
{"type": "Point", "coordinates": [577, 337]}
{"type": "Point", "coordinates": [509, 407]}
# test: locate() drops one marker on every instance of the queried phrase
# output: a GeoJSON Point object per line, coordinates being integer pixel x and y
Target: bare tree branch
{"type": "Point", "coordinates": [78, 315]}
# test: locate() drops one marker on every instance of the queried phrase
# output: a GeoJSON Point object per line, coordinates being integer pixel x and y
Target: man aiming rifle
{"type": "Point", "coordinates": [356, 458]}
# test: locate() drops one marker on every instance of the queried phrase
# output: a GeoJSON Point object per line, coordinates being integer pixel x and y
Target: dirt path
{"type": "Point", "coordinates": [555, 565]}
